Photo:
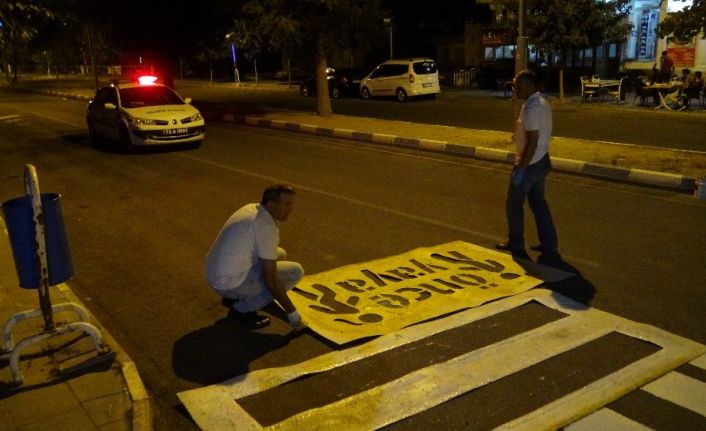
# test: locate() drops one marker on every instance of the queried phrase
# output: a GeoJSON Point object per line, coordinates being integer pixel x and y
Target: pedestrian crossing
{"type": "Point", "coordinates": [674, 388]}
{"type": "Point", "coordinates": [221, 407]}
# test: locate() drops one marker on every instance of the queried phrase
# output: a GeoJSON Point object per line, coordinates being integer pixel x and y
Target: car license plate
{"type": "Point", "coordinates": [427, 84]}
{"type": "Point", "coordinates": [181, 131]}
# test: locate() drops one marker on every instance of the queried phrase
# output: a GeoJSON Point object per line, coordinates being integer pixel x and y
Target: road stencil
{"type": "Point", "coordinates": [381, 296]}
{"type": "Point", "coordinates": [216, 407]}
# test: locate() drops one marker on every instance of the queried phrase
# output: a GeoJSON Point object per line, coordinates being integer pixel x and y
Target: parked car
{"type": "Point", "coordinates": [342, 81]}
{"type": "Point", "coordinates": [402, 79]}
{"type": "Point", "coordinates": [144, 113]}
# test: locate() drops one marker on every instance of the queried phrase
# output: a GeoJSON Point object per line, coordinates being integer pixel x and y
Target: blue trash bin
{"type": "Point", "coordinates": [21, 230]}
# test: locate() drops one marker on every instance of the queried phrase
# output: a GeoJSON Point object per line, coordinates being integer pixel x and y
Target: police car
{"type": "Point", "coordinates": [143, 113]}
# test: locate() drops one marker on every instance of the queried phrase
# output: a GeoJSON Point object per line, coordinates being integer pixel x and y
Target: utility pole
{"type": "Point", "coordinates": [389, 25]}
{"type": "Point", "coordinates": [522, 41]}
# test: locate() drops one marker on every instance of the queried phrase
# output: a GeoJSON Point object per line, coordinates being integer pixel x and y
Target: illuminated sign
{"type": "Point", "coordinates": [678, 5]}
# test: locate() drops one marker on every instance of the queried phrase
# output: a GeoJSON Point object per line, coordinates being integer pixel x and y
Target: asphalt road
{"type": "Point", "coordinates": [140, 226]}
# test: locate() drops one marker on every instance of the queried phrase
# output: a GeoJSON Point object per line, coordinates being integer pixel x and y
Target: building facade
{"type": "Point", "coordinates": [643, 47]}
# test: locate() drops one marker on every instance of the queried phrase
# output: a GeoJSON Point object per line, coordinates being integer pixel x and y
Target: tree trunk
{"type": "Point", "coordinates": [323, 102]}
{"type": "Point", "coordinates": [255, 63]}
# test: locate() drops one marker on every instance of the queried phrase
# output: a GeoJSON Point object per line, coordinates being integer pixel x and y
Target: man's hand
{"type": "Point", "coordinates": [518, 174]}
{"type": "Point", "coordinates": [295, 320]}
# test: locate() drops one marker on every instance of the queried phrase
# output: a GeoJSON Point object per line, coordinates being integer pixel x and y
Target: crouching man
{"type": "Point", "coordinates": [246, 266]}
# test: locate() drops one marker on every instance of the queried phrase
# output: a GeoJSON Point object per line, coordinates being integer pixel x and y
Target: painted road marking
{"type": "Point", "coordinates": [216, 408]}
{"type": "Point", "coordinates": [385, 295]}
{"type": "Point", "coordinates": [606, 420]}
{"type": "Point", "coordinates": [681, 390]}
{"type": "Point", "coordinates": [673, 387]}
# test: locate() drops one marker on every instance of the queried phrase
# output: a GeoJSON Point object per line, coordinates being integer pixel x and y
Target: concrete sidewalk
{"type": "Point", "coordinates": [67, 385]}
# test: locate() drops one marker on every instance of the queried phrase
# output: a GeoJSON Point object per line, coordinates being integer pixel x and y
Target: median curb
{"type": "Point", "coordinates": [677, 182]}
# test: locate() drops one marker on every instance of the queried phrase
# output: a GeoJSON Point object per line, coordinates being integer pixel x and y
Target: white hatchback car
{"type": "Point", "coordinates": [402, 79]}
{"type": "Point", "coordinates": [140, 114]}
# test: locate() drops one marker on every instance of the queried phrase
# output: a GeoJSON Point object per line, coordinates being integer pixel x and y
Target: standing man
{"type": "Point", "coordinates": [245, 264]}
{"type": "Point", "coordinates": [666, 67]}
{"type": "Point", "coordinates": [532, 133]}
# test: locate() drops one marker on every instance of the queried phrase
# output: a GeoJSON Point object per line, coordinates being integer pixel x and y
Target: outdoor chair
{"type": "Point", "coordinates": [587, 94]}
{"type": "Point", "coordinates": [616, 93]}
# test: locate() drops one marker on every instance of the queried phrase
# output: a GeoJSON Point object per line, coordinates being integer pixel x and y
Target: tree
{"type": "Point", "coordinates": [686, 23]}
{"type": "Point", "coordinates": [315, 28]}
{"type": "Point", "coordinates": [561, 26]}
{"type": "Point", "coordinates": [20, 20]}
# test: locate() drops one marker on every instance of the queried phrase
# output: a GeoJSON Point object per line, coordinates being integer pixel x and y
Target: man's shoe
{"type": "Point", "coordinates": [542, 249]}
{"type": "Point", "coordinates": [250, 319]}
{"type": "Point", "coordinates": [504, 246]}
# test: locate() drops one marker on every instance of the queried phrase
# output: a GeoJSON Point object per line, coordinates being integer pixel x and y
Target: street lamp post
{"type": "Point", "coordinates": [46, 54]}
{"type": "Point", "coordinates": [389, 25]}
{"type": "Point", "coordinates": [236, 75]}
{"type": "Point", "coordinates": [522, 42]}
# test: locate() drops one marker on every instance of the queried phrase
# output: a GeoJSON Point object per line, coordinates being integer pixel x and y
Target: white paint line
{"type": "Point", "coordinates": [337, 196]}
{"type": "Point", "coordinates": [308, 128]}
{"type": "Point", "coordinates": [606, 420]}
{"type": "Point", "coordinates": [567, 164]}
{"type": "Point", "coordinates": [492, 153]}
{"type": "Point", "coordinates": [384, 138]}
{"type": "Point", "coordinates": [682, 390]}
{"type": "Point", "coordinates": [428, 387]}
{"type": "Point", "coordinates": [653, 177]}
{"type": "Point", "coordinates": [260, 380]}
{"type": "Point", "coordinates": [699, 362]}
{"type": "Point", "coordinates": [343, 133]}
{"type": "Point", "coordinates": [228, 414]}
{"type": "Point", "coordinates": [675, 352]}
{"type": "Point", "coordinates": [431, 144]}
{"type": "Point", "coordinates": [9, 117]}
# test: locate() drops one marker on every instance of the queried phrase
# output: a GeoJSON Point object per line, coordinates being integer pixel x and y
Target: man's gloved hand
{"type": "Point", "coordinates": [295, 320]}
{"type": "Point", "coordinates": [518, 174]}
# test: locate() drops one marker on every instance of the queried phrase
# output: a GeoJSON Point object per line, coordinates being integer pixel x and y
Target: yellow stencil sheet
{"type": "Point", "coordinates": [382, 296]}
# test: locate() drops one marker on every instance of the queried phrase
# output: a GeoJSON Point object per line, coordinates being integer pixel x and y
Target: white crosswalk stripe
{"type": "Point", "coordinates": [674, 387]}
{"type": "Point", "coordinates": [606, 420]}
{"type": "Point", "coordinates": [582, 409]}
{"type": "Point", "coordinates": [682, 390]}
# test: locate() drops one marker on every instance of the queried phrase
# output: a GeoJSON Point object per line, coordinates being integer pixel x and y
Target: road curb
{"type": "Point", "coordinates": [677, 182]}
{"type": "Point", "coordinates": [141, 409]}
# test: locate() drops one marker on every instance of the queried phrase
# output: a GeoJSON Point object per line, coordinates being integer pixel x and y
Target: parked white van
{"type": "Point", "coordinates": [402, 79]}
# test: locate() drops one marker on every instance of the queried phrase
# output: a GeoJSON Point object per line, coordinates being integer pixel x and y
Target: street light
{"type": "Point", "coordinates": [236, 76]}
{"type": "Point", "coordinates": [46, 54]}
{"type": "Point", "coordinates": [522, 42]}
{"type": "Point", "coordinates": [389, 25]}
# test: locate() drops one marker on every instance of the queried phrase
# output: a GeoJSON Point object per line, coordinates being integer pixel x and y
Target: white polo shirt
{"type": "Point", "coordinates": [536, 114]}
{"type": "Point", "coordinates": [248, 235]}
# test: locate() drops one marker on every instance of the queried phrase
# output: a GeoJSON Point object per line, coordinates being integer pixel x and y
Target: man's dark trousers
{"type": "Point", "coordinates": [531, 188]}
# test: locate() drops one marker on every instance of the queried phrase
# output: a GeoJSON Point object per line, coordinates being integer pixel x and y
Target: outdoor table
{"type": "Point", "coordinates": [662, 90]}
{"type": "Point", "coordinates": [601, 84]}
